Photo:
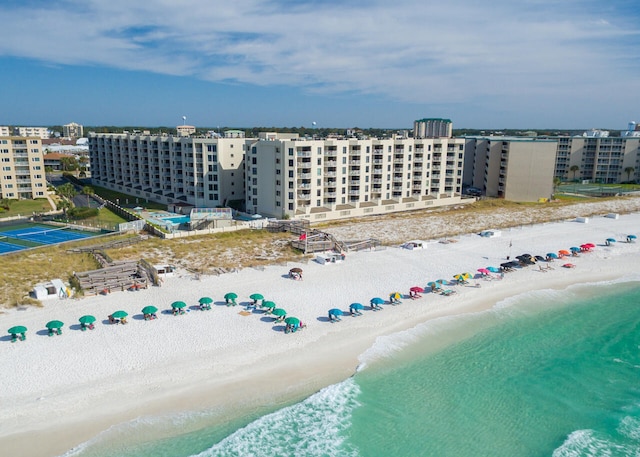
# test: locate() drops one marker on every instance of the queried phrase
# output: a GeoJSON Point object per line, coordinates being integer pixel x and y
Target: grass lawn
{"type": "Point", "coordinates": [105, 219]}
{"type": "Point", "coordinates": [126, 201]}
{"type": "Point", "coordinates": [25, 207]}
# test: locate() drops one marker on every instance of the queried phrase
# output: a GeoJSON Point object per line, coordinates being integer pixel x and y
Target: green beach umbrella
{"type": "Point", "coordinates": [231, 296]}
{"type": "Point", "coordinates": [269, 304]}
{"type": "Point", "coordinates": [205, 300]}
{"type": "Point", "coordinates": [18, 329]}
{"type": "Point", "coordinates": [149, 310]}
{"type": "Point", "coordinates": [88, 319]}
{"type": "Point", "coordinates": [292, 321]}
{"type": "Point", "coordinates": [54, 324]}
{"type": "Point", "coordinates": [279, 312]}
{"type": "Point", "coordinates": [256, 297]}
{"type": "Point", "coordinates": [178, 304]}
{"type": "Point", "coordinates": [120, 314]}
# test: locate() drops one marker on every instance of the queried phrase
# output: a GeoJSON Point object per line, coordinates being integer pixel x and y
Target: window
{"type": "Point", "coordinates": [254, 160]}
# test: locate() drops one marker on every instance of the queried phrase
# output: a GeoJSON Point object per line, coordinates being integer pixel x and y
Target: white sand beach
{"type": "Point", "coordinates": [57, 392]}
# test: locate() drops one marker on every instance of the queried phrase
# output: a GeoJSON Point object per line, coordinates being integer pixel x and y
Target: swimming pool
{"type": "Point", "coordinates": [177, 219]}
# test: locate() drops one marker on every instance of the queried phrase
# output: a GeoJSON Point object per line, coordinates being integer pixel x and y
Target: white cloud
{"type": "Point", "coordinates": [426, 52]}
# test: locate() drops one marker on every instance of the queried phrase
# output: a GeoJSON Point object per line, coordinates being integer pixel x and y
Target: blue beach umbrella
{"type": "Point", "coordinates": [335, 312]}
{"type": "Point", "coordinates": [611, 240]}
{"type": "Point", "coordinates": [631, 237]}
{"type": "Point", "coordinates": [574, 249]}
{"type": "Point", "coordinates": [493, 269]}
{"type": "Point", "coordinates": [552, 255]}
{"type": "Point", "coordinates": [356, 306]}
{"type": "Point", "coordinates": [377, 301]}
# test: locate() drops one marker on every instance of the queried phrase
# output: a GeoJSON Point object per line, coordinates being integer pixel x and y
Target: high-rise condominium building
{"type": "Point", "coordinates": [22, 174]}
{"type": "Point", "coordinates": [517, 169]}
{"type": "Point", "coordinates": [204, 172]}
{"type": "Point", "coordinates": [313, 179]}
{"type": "Point", "coordinates": [72, 130]}
{"type": "Point", "coordinates": [340, 178]}
{"type": "Point", "coordinates": [433, 128]}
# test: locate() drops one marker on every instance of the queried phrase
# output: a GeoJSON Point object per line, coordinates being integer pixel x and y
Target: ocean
{"type": "Point", "coordinates": [549, 373]}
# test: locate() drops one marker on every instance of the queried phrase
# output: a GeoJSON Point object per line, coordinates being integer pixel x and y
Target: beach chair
{"type": "Point", "coordinates": [59, 332]}
{"type": "Point", "coordinates": [51, 332]}
{"type": "Point", "coordinates": [14, 337]}
{"type": "Point", "coordinates": [23, 336]}
{"type": "Point", "coordinates": [447, 292]}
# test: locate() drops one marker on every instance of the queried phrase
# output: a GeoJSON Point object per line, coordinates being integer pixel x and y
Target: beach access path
{"type": "Point", "coordinates": [70, 387]}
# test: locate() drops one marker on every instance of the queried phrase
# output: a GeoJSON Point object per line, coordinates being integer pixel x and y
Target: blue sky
{"type": "Point", "coordinates": [349, 63]}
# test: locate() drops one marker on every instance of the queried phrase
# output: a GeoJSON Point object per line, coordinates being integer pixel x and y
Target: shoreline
{"type": "Point", "coordinates": [247, 362]}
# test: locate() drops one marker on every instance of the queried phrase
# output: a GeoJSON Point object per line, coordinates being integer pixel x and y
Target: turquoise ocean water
{"type": "Point", "coordinates": [552, 373]}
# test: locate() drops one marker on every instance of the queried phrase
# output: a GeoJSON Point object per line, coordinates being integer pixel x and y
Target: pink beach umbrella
{"type": "Point", "coordinates": [483, 271]}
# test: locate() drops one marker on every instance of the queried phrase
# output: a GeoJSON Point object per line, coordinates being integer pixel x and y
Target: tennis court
{"type": "Point", "coordinates": [24, 236]}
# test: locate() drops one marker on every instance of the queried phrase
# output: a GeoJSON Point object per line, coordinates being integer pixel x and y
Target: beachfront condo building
{"type": "Point", "coordinates": [203, 172]}
{"type": "Point", "coordinates": [433, 128]}
{"type": "Point", "coordinates": [22, 161]}
{"type": "Point", "coordinates": [326, 179]}
{"type": "Point", "coordinates": [516, 169]}
{"type": "Point", "coordinates": [608, 160]}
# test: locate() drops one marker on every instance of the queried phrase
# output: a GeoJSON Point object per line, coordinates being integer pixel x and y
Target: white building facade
{"type": "Point", "coordinates": [204, 172]}
{"type": "Point", "coordinates": [72, 130]}
{"type": "Point", "coordinates": [326, 179]}
{"type": "Point", "coordinates": [22, 174]}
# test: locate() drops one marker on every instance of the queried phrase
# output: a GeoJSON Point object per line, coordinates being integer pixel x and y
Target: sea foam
{"type": "Point", "coordinates": [315, 426]}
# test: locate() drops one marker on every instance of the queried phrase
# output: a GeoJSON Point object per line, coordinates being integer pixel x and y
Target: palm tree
{"type": "Point", "coordinates": [628, 171]}
{"type": "Point", "coordinates": [67, 190]}
{"type": "Point", "coordinates": [64, 205]}
{"type": "Point", "coordinates": [88, 191]}
{"type": "Point", "coordinates": [574, 169]}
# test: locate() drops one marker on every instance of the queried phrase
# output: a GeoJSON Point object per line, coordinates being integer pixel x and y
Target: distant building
{"type": "Point", "coordinates": [41, 132]}
{"type": "Point", "coordinates": [5, 130]}
{"type": "Point", "coordinates": [633, 129]}
{"type": "Point", "coordinates": [432, 128]}
{"type": "Point", "coordinates": [516, 169]}
{"type": "Point", "coordinates": [595, 133]}
{"type": "Point", "coordinates": [234, 133]}
{"type": "Point", "coordinates": [23, 175]}
{"type": "Point", "coordinates": [72, 130]}
{"type": "Point", "coordinates": [185, 130]}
